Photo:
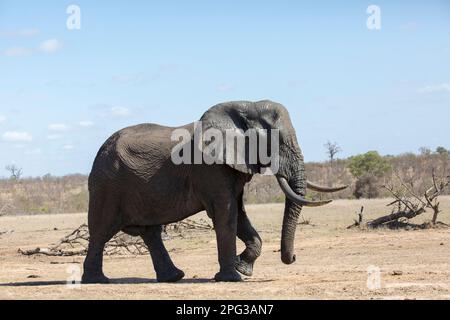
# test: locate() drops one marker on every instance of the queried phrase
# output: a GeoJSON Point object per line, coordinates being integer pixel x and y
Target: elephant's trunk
{"type": "Point", "coordinates": [292, 181]}
{"type": "Point", "coordinates": [294, 187]}
{"type": "Point", "coordinates": [291, 213]}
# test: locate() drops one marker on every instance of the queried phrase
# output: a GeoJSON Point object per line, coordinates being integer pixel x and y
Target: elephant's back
{"type": "Point", "coordinates": [134, 165]}
{"type": "Point", "coordinates": [140, 151]}
{"type": "Point", "coordinates": [146, 147]}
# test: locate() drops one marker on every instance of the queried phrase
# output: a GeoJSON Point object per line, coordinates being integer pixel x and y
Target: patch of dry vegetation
{"type": "Point", "coordinates": [76, 242]}
{"type": "Point", "coordinates": [46, 194]}
{"type": "Point", "coordinates": [414, 170]}
{"type": "Point", "coordinates": [50, 194]}
{"type": "Point", "coordinates": [332, 261]}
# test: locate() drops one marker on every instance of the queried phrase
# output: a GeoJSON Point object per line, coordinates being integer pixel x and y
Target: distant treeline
{"type": "Point", "coordinates": [47, 194]}
{"type": "Point", "coordinates": [69, 194]}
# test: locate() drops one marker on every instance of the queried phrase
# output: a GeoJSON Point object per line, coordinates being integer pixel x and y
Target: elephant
{"type": "Point", "coordinates": [135, 187]}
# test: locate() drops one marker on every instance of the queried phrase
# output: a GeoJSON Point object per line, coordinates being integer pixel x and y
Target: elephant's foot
{"type": "Point", "coordinates": [228, 276]}
{"type": "Point", "coordinates": [172, 275]}
{"type": "Point", "coordinates": [244, 267]}
{"type": "Point", "coordinates": [98, 278]}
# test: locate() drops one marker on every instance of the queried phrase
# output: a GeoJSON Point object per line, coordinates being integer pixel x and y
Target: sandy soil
{"type": "Point", "coordinates": [332, 262]}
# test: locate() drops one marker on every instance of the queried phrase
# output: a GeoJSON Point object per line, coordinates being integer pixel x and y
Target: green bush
{"type": "Point", "coordinates": [370, 163]}
{"type": "Point", "coordinates": [442, 151]}
{"type": "Point", "coordinates": [367, 169]}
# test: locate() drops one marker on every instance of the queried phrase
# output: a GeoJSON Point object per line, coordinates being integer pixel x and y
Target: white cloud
{"type": "Point", "coordinates": [17, 52]}
{"type": "Point", "coordinates": [26, 32]}
{"type": "Point", "coordinates": [443, 87]}
{"type": "Point", "coordinates": [68, 147]}
{"type": "Point", "coordinates": [120, 111]}
{"type": "Point", "coordinates": [16, 136]}
{"type": "Point", "coordinates": [85, 124]}
{"type": "Point", "coordinates": [54, 136]}
{"type": "Point", "coordinates": [2, 119]}
{"type": "Point", "coordinates": [50, 46]}
{"type": "Point", "coordinates": [61, 127]}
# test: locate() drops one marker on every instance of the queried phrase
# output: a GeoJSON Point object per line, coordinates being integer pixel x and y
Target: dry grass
{"type": "Point", "coordinates": [50, 194]}
{"type": "Point", "coordinates": [331, 262]}
{"type": "Point", "coordinates": [43, 195]}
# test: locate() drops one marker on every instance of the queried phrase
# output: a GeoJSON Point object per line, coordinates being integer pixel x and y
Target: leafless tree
{"type": "Point", "coordinates": [332, 150]}
{"type": "Point", "coordinates": [425, 151]}
{"type": "Point", "coordinates": [14, 171]}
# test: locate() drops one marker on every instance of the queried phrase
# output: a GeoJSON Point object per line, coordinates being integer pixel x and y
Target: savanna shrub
{"type": "Point", "coordinates": [368, 168]}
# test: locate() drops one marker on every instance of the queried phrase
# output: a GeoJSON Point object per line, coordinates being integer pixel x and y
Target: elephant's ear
{"type": "Point", "coordinates": [231, 124]}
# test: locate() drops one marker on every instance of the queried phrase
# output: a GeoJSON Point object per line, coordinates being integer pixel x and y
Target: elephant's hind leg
{"type": "Point", "coordinates": [163, 265]}
{"type": "Point", "coordinates": [252, 240]}
{"type": "Point", "coordinates": [93, 264]}
{"type": "Point", "coordinates": [102, 227]}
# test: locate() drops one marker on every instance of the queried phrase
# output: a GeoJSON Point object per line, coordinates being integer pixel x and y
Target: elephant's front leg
{"type": "Point", "coordinates": [252, 240]}
{"type": "Point", "coordinates": [225, 225]}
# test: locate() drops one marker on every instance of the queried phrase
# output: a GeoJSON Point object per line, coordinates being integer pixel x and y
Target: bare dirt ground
{"type": "Point", "coordinates": [332, 262]}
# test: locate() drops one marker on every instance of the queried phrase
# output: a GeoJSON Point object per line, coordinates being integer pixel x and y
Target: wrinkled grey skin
{"type": "Point", "coordinates": [135, 187]}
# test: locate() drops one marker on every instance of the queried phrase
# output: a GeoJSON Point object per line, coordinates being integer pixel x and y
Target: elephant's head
{"type": "Point", "coordinates": [268, 115]}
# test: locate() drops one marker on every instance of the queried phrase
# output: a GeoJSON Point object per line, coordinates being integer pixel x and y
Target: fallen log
{"type": "Point", "coordinates": [408, 204]}
{"type": "Point", "coordinates": [52, 253]}
{"type": "Point", "coordinates": [393, 217]}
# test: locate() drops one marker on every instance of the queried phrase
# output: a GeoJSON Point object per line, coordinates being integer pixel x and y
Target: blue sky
{"type": "Point", "coordinates": [63, 92]}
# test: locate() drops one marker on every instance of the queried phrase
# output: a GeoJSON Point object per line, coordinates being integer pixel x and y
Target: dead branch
{"type": "Point", "coordinates": [408, 204]}
{"type": "Point", "coordinates": [52, 252]}
{"type": "Point", "coordinates": [358, 222]}
{"type": "Point", "coordinates": [76, 243]}
{"type": "Point", "coordinates": [394, 217]}
{"type": "Point", "coordinates": [4, 208]}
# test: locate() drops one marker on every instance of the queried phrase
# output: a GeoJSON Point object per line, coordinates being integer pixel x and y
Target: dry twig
{"type": "Point", "coordinates": [359, 222]}
{"type": "Point", "coordinates": [408, 204]}
{"type": "Point", "coordinates": [76, 243]}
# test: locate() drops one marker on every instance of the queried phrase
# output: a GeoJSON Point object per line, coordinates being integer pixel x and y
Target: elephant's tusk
{"type": "Point", "coordinates": [297, 198]}
{"type": "Point", "coordinates": [318, 188]}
